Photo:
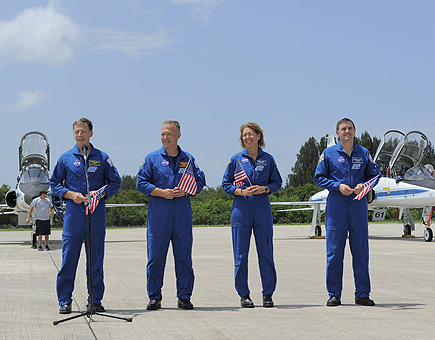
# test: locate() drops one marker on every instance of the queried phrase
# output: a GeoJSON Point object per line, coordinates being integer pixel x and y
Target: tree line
{"type": "Point", "coordinates": [212, 206]}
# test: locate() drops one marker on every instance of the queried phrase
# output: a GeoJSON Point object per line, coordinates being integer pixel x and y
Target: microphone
{"type": "Point", "coordinates": [85, 149]}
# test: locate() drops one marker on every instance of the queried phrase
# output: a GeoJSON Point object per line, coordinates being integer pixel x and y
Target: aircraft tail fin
{"type": "Point", "coordinates": [331, 141]}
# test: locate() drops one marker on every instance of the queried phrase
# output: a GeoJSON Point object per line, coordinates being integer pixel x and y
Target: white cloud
{"type": "Point", "coordinates": [135, 44]}
{"type": "Point", "coordinates": [47, 35]}
{"type": "Point", "coordinates": [202, 8]}
{"type": "Point", "coordinates": [26, 100]}
{"type": "Point", "coordinates": [40, 34]}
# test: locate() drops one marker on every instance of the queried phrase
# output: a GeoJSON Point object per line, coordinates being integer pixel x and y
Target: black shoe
{"type": "Point", "coordinates": [333, 301]}
{"type": "Point", "coordinates": [246, 302]}
{"type": "Point", "coordinates": [184, 304]}
{"type": "Point", "coordinates": [154, 304]}
{"type": "Point", "coordinates": [46, 247]}
{"type": "Point", "coordinates": [65, 309]}
{"type": "Point", "coordinates": [40, 248]}
{"type": "Point", "coordinates": [364, 301]}
{"type": "Point", "coordinates": [98, 307]}
{"type": "Point", "coordinates": [267, 301]}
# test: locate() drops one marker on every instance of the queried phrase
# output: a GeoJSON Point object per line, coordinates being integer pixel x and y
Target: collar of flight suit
{"type": "Point", "coordinates": [181, 153]}
{"type": "Point", "coordinates": [260, 152]}
{"type": "Point", "coordinates": [77, 151]}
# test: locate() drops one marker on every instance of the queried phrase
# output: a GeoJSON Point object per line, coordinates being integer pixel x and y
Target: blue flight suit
{"type": "Point", "coordinates": [168, 220]}
{"type": "Point", "coordinates": [253, 213]}
{"type": "Point", "coordinates": [69, 175]}
{"type": "Point", "coordinates": [344, 215]}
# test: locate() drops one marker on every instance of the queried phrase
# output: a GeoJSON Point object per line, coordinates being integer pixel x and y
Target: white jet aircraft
{"type": "Point", "coordinates": [405, 184]}
{"type": "Point", "coordinates": [34, 164]}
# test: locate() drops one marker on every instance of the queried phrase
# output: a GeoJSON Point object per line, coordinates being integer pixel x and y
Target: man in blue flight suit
{"type": "Point", "coordinates": [69, 182]}
{"type": "Point", "coordinates": [342, 169]}
{"type": "Point", "coordinates": [169, 216]}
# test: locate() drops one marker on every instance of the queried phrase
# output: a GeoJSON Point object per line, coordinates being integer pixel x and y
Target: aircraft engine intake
{"type": "Point", "coordinates": [371, 195]}
{"type": "Point", "coordinates": [11, 198]}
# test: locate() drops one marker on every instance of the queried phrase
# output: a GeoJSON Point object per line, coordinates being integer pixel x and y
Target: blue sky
{"type": "Point", "coordinates": [294, 67]}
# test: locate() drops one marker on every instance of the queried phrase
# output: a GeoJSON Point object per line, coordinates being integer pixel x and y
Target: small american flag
{"type": "Point", "coordinates": [95, 199]}
{"type": "Point", "coordinates": [187, 181]}
{"type": "Point", "coordinates": [366, 187]}
{"type": "Point", "coordinates": [239, 174]}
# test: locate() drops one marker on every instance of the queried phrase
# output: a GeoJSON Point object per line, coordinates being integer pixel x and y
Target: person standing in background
{"type": "Point", "coordinates": [44, 211]}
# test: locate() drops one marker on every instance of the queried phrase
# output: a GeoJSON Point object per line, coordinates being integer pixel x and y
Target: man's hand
{"type": "Point", "coordinates": [358, 189]}
{"type": "Point", "coordinates": [75, 196]}
{"type": "Point", "coordinates": [168, 194]}
{"type": "Point", "coordinates": [79, 198]}
{"type": "Point", "coordinates": [179, 192]}
{"type": "Point", "coordinates": [345, 189]}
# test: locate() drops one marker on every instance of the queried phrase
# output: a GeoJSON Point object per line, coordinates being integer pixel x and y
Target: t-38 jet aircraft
{"type": "Point", "coordinates": [34, 166]}
{"type": "Point", "coordinates": [405, 184]}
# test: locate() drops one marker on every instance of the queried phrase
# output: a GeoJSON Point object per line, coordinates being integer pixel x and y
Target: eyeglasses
{"type": "Point", "coordinates": [249, 135]}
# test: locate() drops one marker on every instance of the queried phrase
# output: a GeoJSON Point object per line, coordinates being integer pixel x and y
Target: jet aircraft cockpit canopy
{"type": "Point", "coordinates": [34, 153]}
{"type": "Point", "coordinates": [384, 154]}
{"type": "Point", "coordinates": [409, 153]}
{"type": "Point", "coordinates": [34, 148]}
{"type": "Point", "coordinates": [34, 173]}
{"type": "Point", "coordinates": [400, 156]}
{"type": "Point", "coordinates": [418, 175]}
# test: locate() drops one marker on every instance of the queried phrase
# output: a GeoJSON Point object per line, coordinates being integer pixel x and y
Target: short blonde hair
{"type": "Point", "coordinates": [83, 121]}
{"type": "Point", "coordinates": [257, 129]}
{"type": "Point", "coordinates": [170, 122]}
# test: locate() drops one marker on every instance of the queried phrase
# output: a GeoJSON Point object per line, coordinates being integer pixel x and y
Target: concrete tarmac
{"type": "Point", "coordinates": [402, 273]}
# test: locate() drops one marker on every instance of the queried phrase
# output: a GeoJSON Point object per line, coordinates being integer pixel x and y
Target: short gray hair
{"type": "Point", "coordinates": [170, 122]}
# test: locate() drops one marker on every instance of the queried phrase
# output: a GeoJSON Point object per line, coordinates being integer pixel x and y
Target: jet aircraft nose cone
{"type": "Point", "coordinates": [28, 198]}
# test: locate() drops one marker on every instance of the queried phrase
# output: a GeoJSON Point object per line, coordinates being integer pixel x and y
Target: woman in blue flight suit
{"type": "Point", "coordinates": [69, 177]}
{"type": "Point", "coordinates": [251, 211]}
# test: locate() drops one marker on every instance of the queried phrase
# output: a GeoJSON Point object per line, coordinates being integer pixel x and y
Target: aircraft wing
{"type": "Point", "coordinates": [294, 203]}
{"type": "Point", "coordinates": [316, 206]}
{"type": "Point", "coordinates": [5, 207]}
{"type": "Point", "coordinates": [115, 205]}
{"type": "Point", "coordinates": [311, 204]}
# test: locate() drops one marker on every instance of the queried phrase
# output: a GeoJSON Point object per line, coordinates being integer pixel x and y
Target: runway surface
{"type": "Point", "coordinates": [402, 273]}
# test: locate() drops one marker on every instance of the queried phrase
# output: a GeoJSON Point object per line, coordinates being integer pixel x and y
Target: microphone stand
{"type": "Point", "coordinates": [91, 308]}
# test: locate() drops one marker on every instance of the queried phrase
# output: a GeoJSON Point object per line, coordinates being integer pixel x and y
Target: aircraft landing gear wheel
{"type": "Point", "coordinates": [428, 235]}
{"type": "Point", "coordinates": [318, 231]}
{"type": "Point", "coordinates": [407, 230]}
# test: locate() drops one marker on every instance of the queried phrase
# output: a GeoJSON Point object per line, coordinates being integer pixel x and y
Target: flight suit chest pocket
{"type": "Point", "coordinates": [260, 165]}
{"type": "Point", "coordinates": [77, 167]}
{"type": "Point", "coordinates": [261, 172]}
{"type": "Point", "coordinates": [357, 163]}
{"type": "Point", "coordinates": [162, 171]}
{"type": "Point", "coordinates": [94, 166]}
{"type": "Point", "coordinates": [339, 167]}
